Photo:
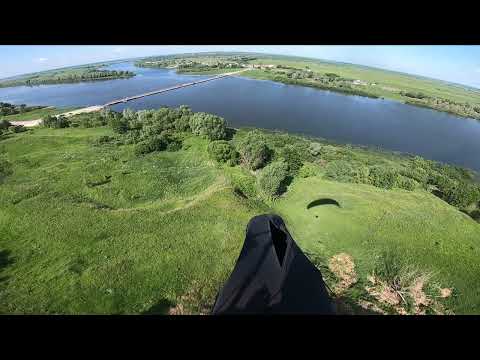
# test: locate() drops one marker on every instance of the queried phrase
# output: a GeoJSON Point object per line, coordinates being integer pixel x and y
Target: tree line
{"type": "Point", "coordinates": [11, 109]}
{"type": "Point", "coordinates": [67, 76]}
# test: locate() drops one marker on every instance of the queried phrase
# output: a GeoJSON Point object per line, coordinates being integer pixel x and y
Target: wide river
{"type": "Point", "coordinates": [244, 102]}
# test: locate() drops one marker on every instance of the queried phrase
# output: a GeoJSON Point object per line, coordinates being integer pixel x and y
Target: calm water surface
{"type": "Point", "coordinates": [245, 102]}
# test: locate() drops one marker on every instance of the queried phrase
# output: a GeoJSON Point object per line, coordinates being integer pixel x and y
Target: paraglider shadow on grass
{"type": "Point", "coordinates": [323, 201]}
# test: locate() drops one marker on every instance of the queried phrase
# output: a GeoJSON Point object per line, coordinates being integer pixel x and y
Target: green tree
{"type": "Point", "coordinates": [56, 122]}
{"type": "Point", "coordinates": [118, 124]}
{"type": "Point", "coordinates": [253, 149]}
{"type": "Point", "coordinates": [5, 124]}
{"type": "Point", "coordinates": [208, 125]}
{"type": "Point", "coordinates": [272, 180]}
{"type": "Point", "coordinates": [222, 151]}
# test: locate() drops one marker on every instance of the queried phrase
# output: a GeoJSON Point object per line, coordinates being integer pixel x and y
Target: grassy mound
{"type": "Point", "coordinates": [419, 228]}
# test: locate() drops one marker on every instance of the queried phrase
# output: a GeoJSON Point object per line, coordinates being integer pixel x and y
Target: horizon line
{"type": "Point", "coordinates": [249, 52]}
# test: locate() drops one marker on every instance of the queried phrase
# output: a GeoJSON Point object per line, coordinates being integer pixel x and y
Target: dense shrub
{"type": "Point", "coordinates": [89, 120]}
{"type": "Point", "coordinates": [340, 170]}
{"type": "Point", "coordinates": [383, 177]}
{"type": "Point", "coordinates": [441, 182]}
{"type": "Point", "coordinates": [172, 140]}
{"type": "Point", "coordinates": [208, 125]}
{"type": "Point", "coordinates": [142, 148]}
{"type": "Point", "coordinates": [475, 214]}
{"type": "Point", "coordinates": [158, 143]}
{"type": "Point", "coordinates": [416, 95]}
{"type": "Point", "coordinates": [308, 170]}
{"type": "Point", "coordinates": [315, 149]}
{"type": "Point", "coordinates": [103, 140]}
{"type": "Point", "coordinates": [222, 151]}
{"type": "Point", "coordinates": [18, 128]}
{"type": "Point", "coordinates": [56, 122]}
{"type": "Point", "coordinates": [132, 137]}
{"type": "Point", "coordinates": [418, 174]}
{"type": "Point", "coordinates": [419, 162]}
{"type": "Point", "coordinates": [5, 124]}
{"type": "Point", "coordinates": [406, 183]}
{"type": "Point", "coordinates": [292, 156]}
{"type": "Point", "coordinates": [164, 141]}
{"type": "Point", "coordinates": [150, 130]}
{"type": "Point", "coordinates": [5, 168]}
{"type": "Point", "coordinates": [361, 174]}
{"type": "Point", "coordinates": [253, 150]}
{"type": "Point", "coordinates": [183, 123]}
{"type": "Point", "coordinates": [461, 195]}
{"type": "Point", "coordinates": [273, 178]}
{"type": "Point", "coordinates": [453, 172]}
{"type": "Point", "coordinates": [164, 118]}
{"type": "Point", "coordinates": [118, 124]}
{"type": "Point", "coordinates": [128, 114]}
{"type": "Point", "coordinates": [135, 123]}
{"type": "Point", "coordinates": [244, 186]}
{"type": "Point", "coordinates": [332, 153]}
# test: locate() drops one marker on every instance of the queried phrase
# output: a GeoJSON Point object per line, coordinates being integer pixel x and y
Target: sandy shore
{"type": "Point", "coordinates": [31, 123]}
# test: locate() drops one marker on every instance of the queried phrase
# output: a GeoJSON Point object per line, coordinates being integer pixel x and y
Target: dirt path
{"type": "Point", "coordinates": [27, 123]}
{"type": "Point", "coordinates": [31, 123]}
{"type": "Point", "coordinates": [219, 185]}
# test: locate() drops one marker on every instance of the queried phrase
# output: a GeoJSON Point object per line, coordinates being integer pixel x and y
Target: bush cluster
{"type": "Point", "coordinates": [164, 141]}
{"type": "Point", "coordinates": [383, 177]}
{"type": "Point", "coordinates": [161, 129]}
{"type": "Point", "coordinates": [209, 126]}
{"type": "Point", "coordinates": [308, 170]}
{"type": "Point", "coordinates": [223, 152]}
{"type": "Point", "coordinates": [56, 122]}
{"type": "Point", "coordinates": [253, 150]}
{"type": "Point", "coordinates": [272, 180]}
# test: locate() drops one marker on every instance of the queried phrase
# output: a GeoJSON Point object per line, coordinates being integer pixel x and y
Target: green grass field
{"type": "Point", "coordinates": [36, 114]}
{"type": "Point", "coordinates": [96, 229]}
{"type": "Point", "coordinates": [161, 223]}
{"type": "Point", "coordinates": [387, 79]}
{"type": "Point", "coordinates": [423, 230]}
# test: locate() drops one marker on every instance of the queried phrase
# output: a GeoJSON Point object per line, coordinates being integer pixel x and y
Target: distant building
{"type": "Point", "coordinates": [359, 82]}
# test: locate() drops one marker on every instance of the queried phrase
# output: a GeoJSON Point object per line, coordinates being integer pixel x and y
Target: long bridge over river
{"type": "Point", "coordinates": [130, 98]}
{"type": "Point", "coordinates": [30, 123]}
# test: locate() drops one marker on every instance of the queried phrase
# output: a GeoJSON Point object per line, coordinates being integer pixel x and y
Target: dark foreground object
{"type": "Point", "coordinates": [272, 275]}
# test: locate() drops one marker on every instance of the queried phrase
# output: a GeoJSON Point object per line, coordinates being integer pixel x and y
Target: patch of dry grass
{"type": "Point", "coordinates": [343, 267]}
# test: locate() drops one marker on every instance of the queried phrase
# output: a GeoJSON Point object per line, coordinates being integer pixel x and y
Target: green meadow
{"type": "Point", "coordinates": [92, 227]}
{"type": "Point", "coordinates": [388, 83]}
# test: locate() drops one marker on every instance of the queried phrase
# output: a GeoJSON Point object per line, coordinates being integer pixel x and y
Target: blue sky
{"type": "Point", "coordinates": [452, 63]}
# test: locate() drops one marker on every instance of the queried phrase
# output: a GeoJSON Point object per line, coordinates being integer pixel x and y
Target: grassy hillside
{"type": "Point", "coordinates": [421, 230]}
{"type": "Point", "coordinates": [131, 245]}
{"type": "Point", "coordinates": [88, 224]}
